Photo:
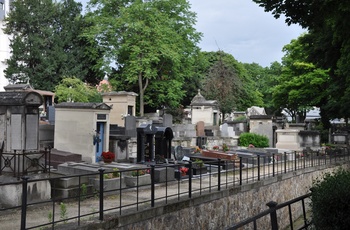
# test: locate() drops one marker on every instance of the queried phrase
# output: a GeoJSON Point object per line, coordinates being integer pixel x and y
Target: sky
{"type": "Point", "coordinates": [243, 29]}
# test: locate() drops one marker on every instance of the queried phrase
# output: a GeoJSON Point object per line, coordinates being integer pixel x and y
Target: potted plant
{"type": "Point", "coordinates": [198, 167]}
{"type": "Point", "coordinates": [197, 150]}
{"type": "Point", "coordinates": [108, 156]}
{"type": "Point", "coordinates": [181, 173]}
{"type": "Point", "coordinates": [138, 177]}
{"type": "Point", "coordinates": [216, 148]}
{"type": "Point", "coordinates": [225, 147]}
{"type": "Point", "coordinates": [112, 182]}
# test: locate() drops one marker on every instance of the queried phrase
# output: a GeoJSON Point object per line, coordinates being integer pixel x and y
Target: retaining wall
{"type": "Point", "coordinates": [221, 209]}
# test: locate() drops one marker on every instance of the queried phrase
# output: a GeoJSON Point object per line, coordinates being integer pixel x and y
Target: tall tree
{"type": "Point", "coordinates": [243, 93]}
{"type": "Point", "coordinates": [328, 45]}
{"type": "Point", "coordinates": [45, 43]}
{"type": "Point", "coordinates": [221, 84]}
{"type": "Point", "coordinates": [153, 44]}
{"type": "Point", "coordinates": [301, 84]}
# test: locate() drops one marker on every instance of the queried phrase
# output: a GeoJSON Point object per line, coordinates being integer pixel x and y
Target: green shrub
{"type": "Point", "coordinates": [330, 201]}
{"type": "Point", "coordinates": [259, 141]}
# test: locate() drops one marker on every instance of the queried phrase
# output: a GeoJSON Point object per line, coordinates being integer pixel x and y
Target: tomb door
{"type": "Point", "coordinates": [100, 129]}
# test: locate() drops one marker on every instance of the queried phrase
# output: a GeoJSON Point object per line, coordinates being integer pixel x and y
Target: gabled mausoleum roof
{"type": "Point", "coordinates": [83, 105]}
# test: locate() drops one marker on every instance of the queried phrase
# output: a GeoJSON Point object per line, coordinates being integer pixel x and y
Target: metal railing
{"type": "Point", "coordinates": [92, 198]}
{"type": "Point", "coordinates": [252, 222]}
{"type": "Point", "coordinates": [21, 163]}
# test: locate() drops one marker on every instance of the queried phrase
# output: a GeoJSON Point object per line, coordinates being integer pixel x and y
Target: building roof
{"type": "Point", "coordinates": [119, 93]}
{"type": "Point", "coordinates": [20, 98]}
{"type": "Point", "coordinates": [199, 100]}
{"type": "Point", "coordinates": [83, 105]}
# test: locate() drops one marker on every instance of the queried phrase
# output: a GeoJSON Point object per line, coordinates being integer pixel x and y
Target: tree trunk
{"type": "Point", "coordinates": [141, 95]}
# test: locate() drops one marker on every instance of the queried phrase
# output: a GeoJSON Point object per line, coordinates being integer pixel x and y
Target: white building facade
{"type": "Point", "coordinates": [4, 42]}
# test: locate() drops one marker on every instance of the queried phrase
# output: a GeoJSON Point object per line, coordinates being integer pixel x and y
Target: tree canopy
{"type": "Point", "coordinates": [327, 44]}
{"type": "Point", "coordinates": [152, 43]}
{"type": "Point", "coordinates": [46, 45]}
{"type": "Point", "coordinates": [72, 89]}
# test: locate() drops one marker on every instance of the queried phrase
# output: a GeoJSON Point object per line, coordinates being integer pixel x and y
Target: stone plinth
{"type": "Point", "coordinates": [288, 139]}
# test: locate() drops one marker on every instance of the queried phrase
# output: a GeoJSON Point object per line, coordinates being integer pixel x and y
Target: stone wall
{"type": "Point", "coordinates": [221, 209]}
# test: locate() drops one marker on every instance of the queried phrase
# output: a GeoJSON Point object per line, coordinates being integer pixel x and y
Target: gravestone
{"type": "Point", "coordinates": [231, 132]}
{"type": "Point", "coordinates": [224, 130]}
{"type": "Point", "coordinates": [130, 126]}
{"type": "Point", "coordinates": [167, 120]}
{"type": "Point", "coordinates": [200, 129]}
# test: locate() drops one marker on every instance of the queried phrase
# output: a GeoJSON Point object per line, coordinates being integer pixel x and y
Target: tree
{"type": "Point", "coordinates": [221, 83]}
{"type": "Point", "coordinates": [72, 89]}
{"type": "Point", "coordinates": [328, 45]}
{"type": "Point", "coordinates": [153, 44]}
{"type": "Point", "coordinates": [301, 84]}
{"type": "Point", "coordinates": [237, 91]}
{"type": "Point", "coordinates": [46, 45]}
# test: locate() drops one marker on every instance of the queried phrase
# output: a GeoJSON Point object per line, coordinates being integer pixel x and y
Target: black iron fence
{"type": "Point", "coordinates": [21, 163]}
{"type": "Point", "coordinates": [304, 222]}
{"type": "Point", "coordinates": [94, 195]}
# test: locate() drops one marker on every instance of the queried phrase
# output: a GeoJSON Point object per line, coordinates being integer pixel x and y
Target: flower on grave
{"type": "Point", "coordinates": [138, 172]}
{"type": "Point", "coordinates": [251, 146]}
{"type": "Point", "coordinates": [108, 155]}
{"type": "Point", "coordinates": [225, 147]}
{"type": "Point", "coordinates": [114, 174]}
{"type": "Point", "coordinates": [216, 148]}
{"type": "Point", "coordinates": [197, 150]}
{"type": "Point", "coordinates": [183, 171]}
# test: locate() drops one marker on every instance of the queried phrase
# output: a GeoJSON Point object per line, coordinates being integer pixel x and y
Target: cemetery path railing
{"type": "Point", "coordinates": [76, 199]}
{"type": "Point", "coordinates": [304, 223]}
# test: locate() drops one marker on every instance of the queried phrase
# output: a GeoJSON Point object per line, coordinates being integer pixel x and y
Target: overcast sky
{"type": "Point", "coordinates": [243, 29]}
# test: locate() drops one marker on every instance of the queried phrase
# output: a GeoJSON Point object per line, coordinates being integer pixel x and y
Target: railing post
{"type": "Point", "coordinates": [258, 167]}
{"type": "Point", "coordinates": [240, 170]}
{"type": "Point", "coordinates": [295, 160]}
{"type": "Point", "coordinates": [285, 162]}
{"type": "Point", "coordinates": [219, 174]}
{"type": "Point", "coordinates": [101, 170]}
{"type": "Point", "coordinates": [273, 214]}
{"type": "Point", "coordinates": [190, 180]}
{"type": "Point", "coordinates": [152, 186]}
{"type": "Point", "coordinates": [273, 165]}
{"type": "Point", "coordinates": [24, 202]}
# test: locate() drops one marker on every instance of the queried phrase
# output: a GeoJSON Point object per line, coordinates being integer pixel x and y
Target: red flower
{"type": "Point", "coordinates": [183, 171]}
{"type": "Point", "coordinates": [108, 155]}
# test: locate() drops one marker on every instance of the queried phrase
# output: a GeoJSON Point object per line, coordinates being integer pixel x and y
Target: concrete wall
{"type": "Point", "coordinates": [203, 113]}
{"type": "Point", "coordinates": [119, 101]}
{"type": "Point", "coordinates": [74, 131]}
{"type": "Point", "coordinates": [262, 125]}
{"type": "Point", "coordinates": [222, 209]}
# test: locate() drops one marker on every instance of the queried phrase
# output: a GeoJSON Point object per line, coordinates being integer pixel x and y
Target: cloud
{"type": "Point", "coordinates": [243, 29]}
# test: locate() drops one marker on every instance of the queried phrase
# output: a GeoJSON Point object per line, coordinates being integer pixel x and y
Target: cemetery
{"type": "Point", "coordinates": [102, 148]}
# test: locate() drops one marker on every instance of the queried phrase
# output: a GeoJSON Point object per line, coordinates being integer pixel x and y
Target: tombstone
{"type": "Point", "coordinates": [19, 121]}
{"type": "Point", "coordinates": [200, 129]}
{"type": "Point", "coordinates": [130, 126]}
{"type": "Point", "coordinates": [178, 153]}
{"type": "Point", "coordinates": [224, 130]}
{"type": "Point", "coordinates": [167, 120]}
{"type": "Point", "coordinates": [231, 132]}
{"type": "Point", "coordinates": [163, 138]}
{"type": "Point", "coordinates": [51, 114]}
{"type": "Point", "coordinates": [145, 147]}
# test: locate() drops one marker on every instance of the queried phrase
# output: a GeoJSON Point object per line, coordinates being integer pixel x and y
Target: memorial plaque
{"type": "Point", "coordinates": [16, 131]}
{"type": "Point", "coordinates": [32, 132]}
